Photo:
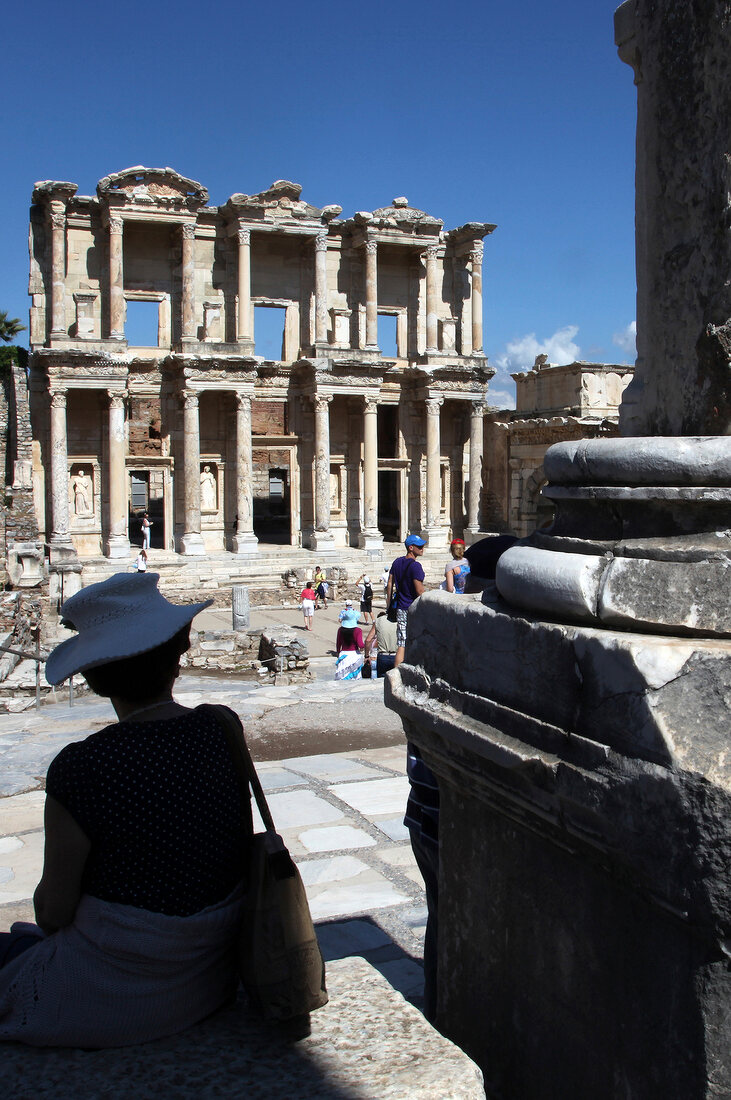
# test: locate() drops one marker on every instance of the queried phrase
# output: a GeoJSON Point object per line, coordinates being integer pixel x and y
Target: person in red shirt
{"type": "Point", "coordinates": [308, 599]}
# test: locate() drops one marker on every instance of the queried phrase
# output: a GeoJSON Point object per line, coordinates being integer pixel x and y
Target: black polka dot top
{"type": "Point", "coordinates": [164, 809]}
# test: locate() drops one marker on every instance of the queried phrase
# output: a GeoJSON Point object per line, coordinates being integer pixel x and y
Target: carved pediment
{"type": "Point", "coordinates": [279, 202]}
{"type": "Point", "coordinates": [152, 187]}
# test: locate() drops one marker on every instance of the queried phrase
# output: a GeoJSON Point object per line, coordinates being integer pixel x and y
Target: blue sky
{"type": "Point", "coordinates": [519, 114]}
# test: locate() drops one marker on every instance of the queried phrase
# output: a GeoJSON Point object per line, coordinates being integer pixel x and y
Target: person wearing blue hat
{"type": "Point", "coordinates": [405, 584]}
{"type": "Point", "coordinates": [349, 648]}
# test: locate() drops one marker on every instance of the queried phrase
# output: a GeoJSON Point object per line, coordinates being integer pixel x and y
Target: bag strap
{"type": "Point", "coordinates": [234, 731]}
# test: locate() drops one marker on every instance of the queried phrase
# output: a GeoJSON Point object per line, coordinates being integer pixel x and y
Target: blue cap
{"type": "Point", "coordinates": [414, 540]}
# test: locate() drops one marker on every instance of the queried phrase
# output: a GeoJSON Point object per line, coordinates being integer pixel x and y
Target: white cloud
{"type": "Point", "coordinates": [627, 339]}
{"type": "Point", "coordinates": [501, 399]}
{"type": "Point", "coordinates": [520, 355]}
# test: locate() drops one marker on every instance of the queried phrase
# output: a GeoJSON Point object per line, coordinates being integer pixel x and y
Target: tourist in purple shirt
{"type": "Point", "coordinates": [407, 574]}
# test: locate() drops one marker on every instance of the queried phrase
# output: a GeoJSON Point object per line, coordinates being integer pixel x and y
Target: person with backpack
{"type": "Point", "coordinates": [366, 597]}
{"type": "Point", "coordinates": [406, 582]}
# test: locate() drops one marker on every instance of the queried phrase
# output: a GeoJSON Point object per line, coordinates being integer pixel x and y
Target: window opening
{"type": "Point", "coordinates": [141, 326]}
{"type": "Point", "coordinates": [269, 332]}
{"type": "Point", "coordinates": [387, 328]}
{"type": "Point", "coordinates": [139, 490]}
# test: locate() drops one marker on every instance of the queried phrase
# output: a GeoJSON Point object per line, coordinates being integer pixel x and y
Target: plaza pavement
{"type": "Point", "coordinates": [339, 809]}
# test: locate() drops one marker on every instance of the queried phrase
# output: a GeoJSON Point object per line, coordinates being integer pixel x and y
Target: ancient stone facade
{"type": "Point", "coordinates": [553, 404]}
{"type": "Point", "coordinates": [335, 442]}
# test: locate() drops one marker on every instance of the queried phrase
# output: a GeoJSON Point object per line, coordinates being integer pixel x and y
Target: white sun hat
{"type": "Point", "coordinates": [116, 618]}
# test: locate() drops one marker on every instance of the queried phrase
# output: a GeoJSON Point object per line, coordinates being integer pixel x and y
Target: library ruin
{"type": "Point", "coordinates": [334, 442]}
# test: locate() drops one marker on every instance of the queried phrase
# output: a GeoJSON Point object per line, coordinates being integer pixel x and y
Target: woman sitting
{"type": "Point", "coordinates": [349, 647]}
{"type": "Point", "coordinates": [147, 831]}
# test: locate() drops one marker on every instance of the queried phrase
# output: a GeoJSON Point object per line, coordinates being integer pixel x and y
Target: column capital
{"type": "Point", "coordinates": [371, 246]}
{"type": "Point", "coordinates": [58, 399]}
{"type": "Point", "coordinates": [321, 241]}
{"type": "Point", "coordinates": [116, 399]}
{"type": "Point", "coordinates": [321, 401]}
{"type": "Point", "coordinates": [116, 225]}
{"type": "Point", "coordinates": [370, 404]}
{"type": "Point", "coordinates": [433, 404]}
{"type": "Point", "coordinates": [244, 235]}
{"type": "Point", "coordinates": [432, 251]}
{"type": "Point", "coordinates": [477, 252]}
{"type": "Point", "coordinates": [478, 409]}
{"type": "Point", "coordinates": [243, 400]}
{"type": "Point", "coordinates": [58, 219]}
{"type": "Point", "coordinates": [187, 231]}
{"type": "Point", "coordinates": [189, 399]}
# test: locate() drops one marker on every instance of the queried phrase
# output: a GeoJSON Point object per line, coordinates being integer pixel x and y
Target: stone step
{"type": "Point", "coordinates": [367, 1042]}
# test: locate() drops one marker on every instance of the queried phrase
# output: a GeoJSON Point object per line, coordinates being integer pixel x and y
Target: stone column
{"type": "Point", "coordinates": [244, 335]}
{"type": "Point", "coordinates": [432, 299]}
{"type": "Point", "coordinates": [371, 248]}
{"type": "Point", "coordinates": [434, 532]}
{"type": "Point", "coordinates": [116, 280]}
{"type": "Point", "coordinates": [192, 541]}
{"type": "Point", "coordinates": [117, 539]}
{"type": "Point", "coordinates": [60, 543]}
{"type": "Point", "coordinates": [370, 538]}
{"type": "Point", "coordinates": [58, 269]}
{"type": "Point", "coordinates": [321, 287]}
{"type": "Point", "coordinates": [322, 539]}
{"type": "Point", "coordinates": [476, 447]}
{"type": "Point", "coordinates": [477, 250]}
{"type": "Point", "coordinates": [245, 541]}
{"type": "Point", "coordinates": [187, 233]}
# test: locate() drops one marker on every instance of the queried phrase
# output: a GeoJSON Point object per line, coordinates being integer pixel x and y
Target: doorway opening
{"type": "Point", "coordinates": [389, 512]}
{"type": "Point", "coordinates": [145, 495]}
{"type": "Point", "coordinates": [271, 508]}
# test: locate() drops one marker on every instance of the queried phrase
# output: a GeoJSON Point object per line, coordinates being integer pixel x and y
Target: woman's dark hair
{"type": "Point", "coordinates": [143, 676]}
{"type": "Point", "coordinates": [347, 634]}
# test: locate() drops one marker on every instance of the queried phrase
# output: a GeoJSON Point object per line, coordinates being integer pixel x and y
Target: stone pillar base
{"type": "Point", "coordinates": [371, 539]}
{"type": "Point", "coordinates": [192, 544]}
{"type": "Point", "coordinates": [473, 534]}
{"type": "Point", "coordinates": [63, 584]}
{"type": "Point", "coordinates": [435, 537]}
{"type": "Point", "coordinates": [323, 542]}
{"type": "Point", "coordinates": [117, 547]}
{"type": "Point", "coordinates": [62, 553]}
{"type": "Point", "coordinates": [247, 543]}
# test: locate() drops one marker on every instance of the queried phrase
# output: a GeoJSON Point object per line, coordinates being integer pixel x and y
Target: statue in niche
{"type": "Point", "coordinates": [208, 490]}
{"type": "Point", "coordinates": [82, 490]}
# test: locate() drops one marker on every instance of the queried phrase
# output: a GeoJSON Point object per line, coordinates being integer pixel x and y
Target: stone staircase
{"type": "Point", "coordinates": [263, 572]}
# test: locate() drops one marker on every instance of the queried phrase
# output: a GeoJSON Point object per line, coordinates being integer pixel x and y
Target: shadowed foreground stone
{"type": "Point", "coordinates": [368, 1043]}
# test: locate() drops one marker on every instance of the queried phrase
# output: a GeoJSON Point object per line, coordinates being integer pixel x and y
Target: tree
{"type": "Point", "coordinates": [9, 327]}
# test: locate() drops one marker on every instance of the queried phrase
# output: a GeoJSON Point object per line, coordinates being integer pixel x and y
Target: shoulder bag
{"type": "Point", "coordinates": [280, 962]}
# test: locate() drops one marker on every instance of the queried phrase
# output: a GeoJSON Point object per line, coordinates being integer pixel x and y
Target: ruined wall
{"type": "Point", "coordinates": [679, 52]}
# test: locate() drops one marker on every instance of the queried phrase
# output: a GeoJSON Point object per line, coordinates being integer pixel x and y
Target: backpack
{"type": "Point", "coordinates": [367, 592]}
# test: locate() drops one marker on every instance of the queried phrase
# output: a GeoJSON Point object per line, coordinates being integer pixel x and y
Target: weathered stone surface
{"type": "Point", "coordinates": [679, 53]}
{"type": "Point", "coordinates": [694, 460]}
{"type": "Point", "coordinates": [366, 1044]}
{"type": "Point", "coordinates": [585, 848]}
{"type": "Point", "coordinates": [693, 597]}
{"type": "Point", "coordinates": [240, 607]}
